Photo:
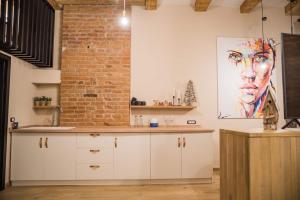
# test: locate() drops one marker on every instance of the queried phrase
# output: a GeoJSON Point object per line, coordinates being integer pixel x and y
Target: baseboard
{"type": "Point", "coordinates": [111, 182]}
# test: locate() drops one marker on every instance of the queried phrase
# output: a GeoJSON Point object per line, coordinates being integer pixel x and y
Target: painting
{"type": "Point", "coordinates": [246, 71]}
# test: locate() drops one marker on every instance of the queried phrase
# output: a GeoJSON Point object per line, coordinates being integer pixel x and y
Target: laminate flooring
{"type": "Point", "coordinates": [143, 192]}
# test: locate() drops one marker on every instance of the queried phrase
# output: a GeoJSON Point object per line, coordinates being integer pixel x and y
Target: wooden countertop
{"type": "Point", "coordinates": [259, 132]}
{"type": "Point", "coordinates": [125, 129]}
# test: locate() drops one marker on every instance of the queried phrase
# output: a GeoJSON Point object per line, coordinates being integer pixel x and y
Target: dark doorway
{"type": "Point", "coordinates": [4, 94]}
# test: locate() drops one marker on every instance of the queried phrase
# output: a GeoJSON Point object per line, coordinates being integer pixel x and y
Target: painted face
{"type": "Point", "coordinates": [254, 65]}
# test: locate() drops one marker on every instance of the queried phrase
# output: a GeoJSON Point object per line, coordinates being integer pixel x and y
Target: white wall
{"type": "Point", "coordinates": [22, 75]}
{"type": "Point", "coordinates": [175, 44]}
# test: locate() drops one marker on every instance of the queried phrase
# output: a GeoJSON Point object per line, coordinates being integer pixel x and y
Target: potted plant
{"type": "Point", "coordinates": [43, 101]}
{"type": "Point", "coordinates": [48, 101]}
{"type": "Point", "coordinates": [36, 101]}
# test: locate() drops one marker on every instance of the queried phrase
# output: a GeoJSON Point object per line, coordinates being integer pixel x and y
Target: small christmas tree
{"type": "Point", "coordinates": [189, 96]}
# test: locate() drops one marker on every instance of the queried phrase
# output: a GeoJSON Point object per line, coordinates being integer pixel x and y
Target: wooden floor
{"type": "Point", "coordinates": [146, 192]}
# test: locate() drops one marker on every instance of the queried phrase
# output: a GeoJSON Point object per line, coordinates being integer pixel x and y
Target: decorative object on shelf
{"type": "Point", "coordinates": [134, 101]}
{"type": "Point", "coordinates": [189, 96]}
{"type": "Point", "coordinates": [270, 111]}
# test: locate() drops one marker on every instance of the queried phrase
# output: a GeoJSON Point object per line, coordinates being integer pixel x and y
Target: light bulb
{"type": "Point", "coordinates": [124, 20]}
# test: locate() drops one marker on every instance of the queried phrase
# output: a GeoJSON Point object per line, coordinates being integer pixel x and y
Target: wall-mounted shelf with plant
{"type": "Point", "coordinates": [42, 102]}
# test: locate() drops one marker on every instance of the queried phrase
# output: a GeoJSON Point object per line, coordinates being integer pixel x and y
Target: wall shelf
{"type": "Point", "coordinates": [44, 84]}
{"type": "Point", "coordinates": [46, 107]}
{"type": "Point", "coordinates": [162, 107]}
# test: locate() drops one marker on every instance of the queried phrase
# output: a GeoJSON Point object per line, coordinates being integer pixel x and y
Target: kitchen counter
{"type": "Point", "coordinates": [260, 165]}
{"type": "Point", "coordinates": [125, 129]}
{"type": "Point", "coordinates": [259, 132]}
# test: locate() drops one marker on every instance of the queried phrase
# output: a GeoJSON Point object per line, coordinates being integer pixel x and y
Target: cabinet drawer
{"type": "Point", "coordinates": [91, 140]}
{"type": "Point", "coordinates": [95, 171]}
{"type": "Point", "coordinates": [95, 155]}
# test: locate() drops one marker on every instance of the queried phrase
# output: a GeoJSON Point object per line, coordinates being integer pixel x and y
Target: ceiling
{"type": "Point", "coordinates": [225, 3]}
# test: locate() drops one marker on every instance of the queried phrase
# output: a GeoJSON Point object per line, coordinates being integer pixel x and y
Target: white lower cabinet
{"type": "Point", "coordinates": [95, 156]}
{"type": "Point", "coordinates": [132, 156]}
{"type": "Point", "coordinates": [60, 156]}
{"type": "Point", "coordinates": [110, 156]}
{"type": "Point", "coordinates": [165, 156]}
{"type": "Point", "coordinates": [175, 156]}
{"type": "Point", "coordinates": [196, 155]}
{"type": "Point", "coordinates": [43, 156]}
{"type": "Point", "coordinates": [27, 156]}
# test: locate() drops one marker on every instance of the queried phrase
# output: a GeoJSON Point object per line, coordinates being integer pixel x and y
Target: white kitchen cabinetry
{"type": "Point", "coordinates": [175, 156]}
{"type": "Point", "coordinates": [27, 156]}
{"type": "Point", "coordinates": [43, 156]}
{"type": "Point", "coordinates": [197, 158]}
{"type": "Point", "coordinates": [132, 156]}
{"type": "Point", "coordinates": [165, 156]}
{"type": "Point", "coordinates": [60, 156]}
{"type": "Point", "coordinates": [95, 156]}
{"type": "Point", "coordinates": [110, 156]}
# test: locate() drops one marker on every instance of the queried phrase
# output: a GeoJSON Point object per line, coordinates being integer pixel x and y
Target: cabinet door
{"type": "Point", "coordinates": [60, 156]}
{"type": "Point", "coordinates": [27, 156]}
{"type": "Point", "coordinates": [165, 156]}
{"type": "Point", "coordinates": [197, 155]}
{"type": "Point", "coordinates": [132, 156]}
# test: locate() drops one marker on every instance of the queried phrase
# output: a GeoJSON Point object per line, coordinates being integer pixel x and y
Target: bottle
{"type": "Point", "coordinates": [141, 121]}
{"type": "Point", "coordinates": [136, 121]}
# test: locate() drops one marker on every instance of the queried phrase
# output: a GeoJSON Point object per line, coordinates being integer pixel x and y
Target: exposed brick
{"type": "Point", "coordinates": [95, 88]}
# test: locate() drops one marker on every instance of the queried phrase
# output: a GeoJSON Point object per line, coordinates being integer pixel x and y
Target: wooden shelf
{"type": "Point", "coordinates": [45, 84]}
{"type": "Point", "coordinates": [45, 107]}
{"type": "Point", "coordinates": [162, 107]}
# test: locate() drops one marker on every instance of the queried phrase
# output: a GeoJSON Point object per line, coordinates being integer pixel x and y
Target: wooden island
{"type": "Point", "coordinates": [258, 165]}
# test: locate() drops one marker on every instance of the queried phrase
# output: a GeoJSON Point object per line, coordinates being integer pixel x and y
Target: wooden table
{"type": "Point", "coordinates": [258, 165]}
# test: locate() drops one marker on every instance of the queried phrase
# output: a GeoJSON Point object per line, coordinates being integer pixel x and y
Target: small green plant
{"type": "Point", "coordinates": [42, 101]}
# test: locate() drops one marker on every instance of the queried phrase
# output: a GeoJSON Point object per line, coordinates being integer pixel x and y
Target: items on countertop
{"type": "Point", "coordinates": [14, 124]}
{"type": "Point", "coordinates": [153, 123]}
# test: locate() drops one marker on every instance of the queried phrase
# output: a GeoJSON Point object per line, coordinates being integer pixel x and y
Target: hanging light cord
{"type": "Point", "coordinates": [263, 19]}
{"type": "Point", "coordinates": [291, 10]}
{"type": "Point", "coordinates": [124, 7]}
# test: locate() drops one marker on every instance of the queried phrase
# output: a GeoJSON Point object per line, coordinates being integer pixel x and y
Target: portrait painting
{"type": "Point", "coordinates": [246, 72]}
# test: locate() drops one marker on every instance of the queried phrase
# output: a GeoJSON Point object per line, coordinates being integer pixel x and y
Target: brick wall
{"type": "Point", "coordinates": [95, 71]}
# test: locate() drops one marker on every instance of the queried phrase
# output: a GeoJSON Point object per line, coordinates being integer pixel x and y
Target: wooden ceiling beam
{"type": "Point", "coordinates": [202, 5]}
{"type": "Point", "coordinates": [55, 5]}
{"type": "Point", "coordinates": [151, 4]}
{"type": "Point", "coordinates": [101, 2]}
{"type": "Point", "coordinates": [248, 5]}
{"type": "Point", "coordinates": [295, 8]}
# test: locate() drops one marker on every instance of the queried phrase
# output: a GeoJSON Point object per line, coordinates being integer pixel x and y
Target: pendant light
{"type": "Point", "coordinates": [263, 19]}
{"type": "Point", "coordinates": [124, 20]}
{"type": "Point", "coordinates": [291, 10]}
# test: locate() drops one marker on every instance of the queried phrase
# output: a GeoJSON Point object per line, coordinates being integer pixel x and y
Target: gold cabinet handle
{"type": "Point", "coordinates": [116, 142]}
{"type": "Point", "coordinates": [94, 166]}
{"type": "Point", "coordinates": [179, 143]}
{"type": "Point", "coordinates": [46, 142]}
{"type": "Point", "coordinates": [94, 134]}
{"type": "Point", "coordinates": [41, 142]}
{"type": "Point", "coordinates": [95, 150]}
{"type": "Point", "coordinates": [184, 142]}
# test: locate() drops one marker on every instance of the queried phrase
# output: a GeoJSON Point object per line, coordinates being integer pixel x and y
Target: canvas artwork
{"type": "Point", "coordinates": [246, 71]}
